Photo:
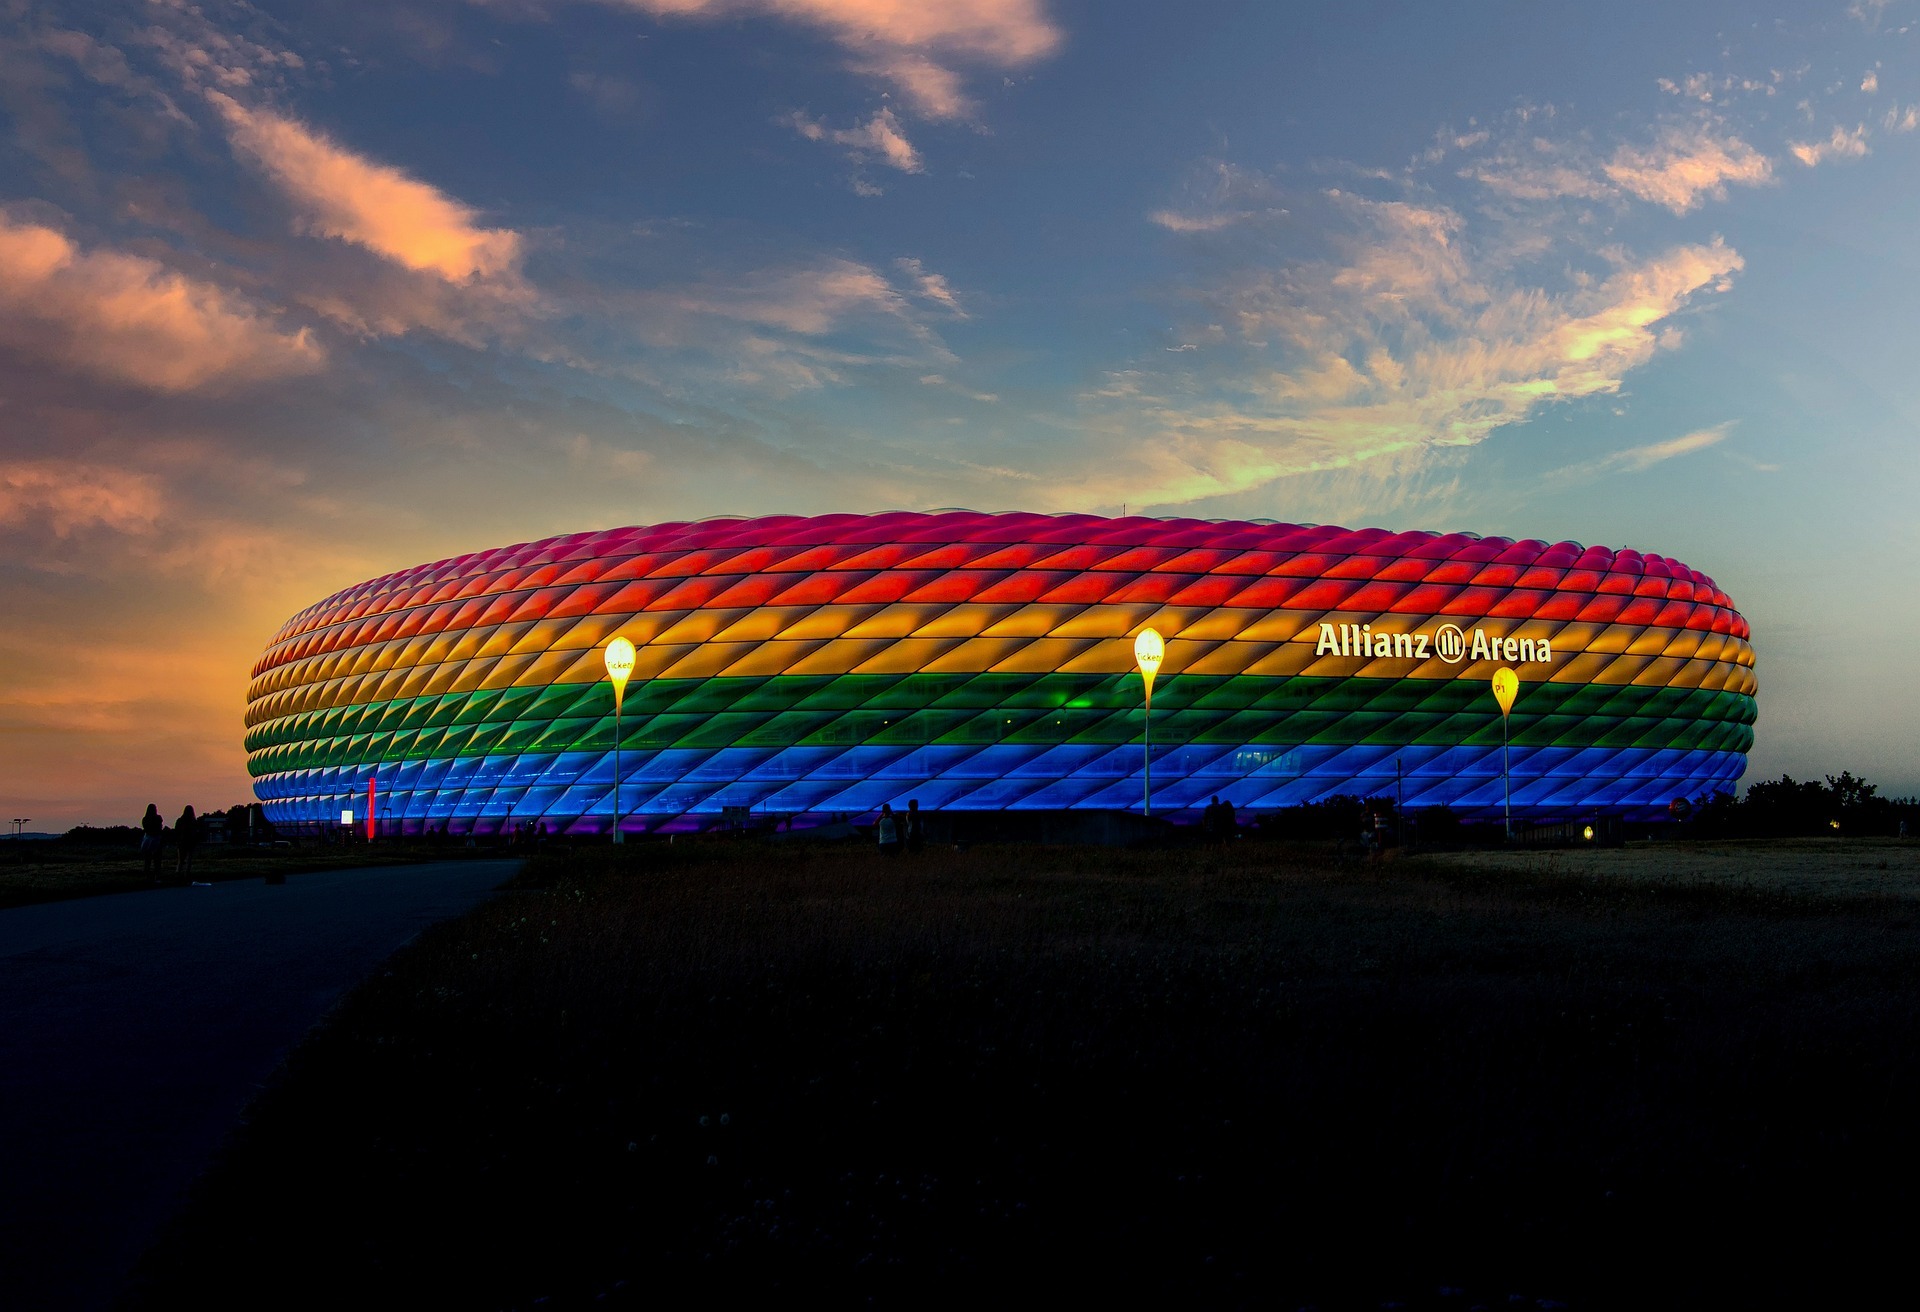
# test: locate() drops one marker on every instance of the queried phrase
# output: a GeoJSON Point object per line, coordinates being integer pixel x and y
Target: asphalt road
{"type": "Point", "coordinates": [135, 1028]}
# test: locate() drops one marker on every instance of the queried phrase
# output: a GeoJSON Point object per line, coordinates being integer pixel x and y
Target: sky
{"type": "Point", "coordinates": [298, 293]}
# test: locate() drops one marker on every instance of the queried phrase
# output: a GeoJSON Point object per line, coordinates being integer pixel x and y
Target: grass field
{"type": "Point", "coordinates": [51, 871]}
{"type": "Point", "coordinates": [1252, 1077]}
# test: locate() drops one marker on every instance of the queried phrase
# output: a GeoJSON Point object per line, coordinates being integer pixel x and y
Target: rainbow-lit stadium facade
{"type": "Point", "coordinates": [816, 667]}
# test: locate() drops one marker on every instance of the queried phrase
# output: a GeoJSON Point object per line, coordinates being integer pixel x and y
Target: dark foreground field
{"type": "Point", "coordinates": [1016, 1075]}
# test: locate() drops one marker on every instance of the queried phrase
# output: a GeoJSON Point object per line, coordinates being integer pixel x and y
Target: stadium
{"type": "Point", "coordinates": [808, 669]}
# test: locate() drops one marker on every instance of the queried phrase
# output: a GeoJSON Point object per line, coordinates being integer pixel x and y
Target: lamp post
{"type": "Point", "coordinates": [619, 669]}
{"type": "Point", "coordinates": [1148, 651]}
{"type": "Point", "coordinates": [1506, 686]}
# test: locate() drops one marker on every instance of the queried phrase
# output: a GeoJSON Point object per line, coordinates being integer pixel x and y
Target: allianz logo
{"type": "Point", "coordinates": [1447, 642]}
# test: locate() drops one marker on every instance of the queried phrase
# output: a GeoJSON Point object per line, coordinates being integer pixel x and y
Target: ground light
{"type": "Point", "coordinates": [1148, 651]}
{"type": "Point", "coordinates": [1506, 686]}
{"type": "Point", "coordinates": [619, 668]}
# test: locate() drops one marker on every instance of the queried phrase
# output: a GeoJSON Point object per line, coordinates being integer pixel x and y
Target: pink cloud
{"type": "Point", "coordinates": [339, 194]}
{"type": "Point", "coordinates": [1686, 165]}
{"type": "Point", "coordinates": [1841, 145]}
{"type": "Point", "coordinates": [70, 497]}
{"type": "Point", "coordinates": [131, 319]}
{"type": "Point", "coordinates": [908, 43]}
{"type": "Point", "coordinates": [880, 135]}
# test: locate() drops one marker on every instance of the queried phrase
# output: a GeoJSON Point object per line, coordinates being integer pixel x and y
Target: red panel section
{"type": "Point", "coordinates": [1326, 594]}
{"type": "Point", "coordinates": [881, 589]}
{"type": "Point", "coordinates": [1208, 590]}
{"type": "Point", "coordinates": [817, 589]}
{"type": "Point", "coordinates": [1024, 585]}
{"type": "Point", "coordinates": [956, 586]}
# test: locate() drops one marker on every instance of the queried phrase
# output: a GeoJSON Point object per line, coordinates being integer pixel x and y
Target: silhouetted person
{"type": "Point", "coordinates": [888, 830]}
{"type": "Point", "coordinates": [186, 837]}
{"type": "Point", "coordinates": [916, 826]}
{"type": "Point", "coordinates": [152, 833]}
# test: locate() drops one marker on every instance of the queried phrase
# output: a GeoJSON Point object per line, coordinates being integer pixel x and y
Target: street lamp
{"type": "Point", "coordinates": [1506, 686]}
{"type": "Point", "coordinates": [619, 669]}
{"type": "Point", "coordinates": [1148, 651]}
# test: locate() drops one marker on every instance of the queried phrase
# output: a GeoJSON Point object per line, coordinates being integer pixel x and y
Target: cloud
{"type": "Point", "coordinates": [1687, 164]}
{"type": "Point", "coordinates": [1176, 222]}
{"type": "Point", "coordinates": [930, 286]}
{"type": "Point", "coordinates": [878, 136]}
{"type": "Point", "coordinates": [1871, 82]}
{"type": "Point", "coordinates": [1217, 195]}
{"type": "Point", "coordinates": [130, 319]}
{"type": "Point", "coordinates": [1412, 341]}
{"type": "Point", "coordinates": [911, 44]}
{"type": "Point", "coordinates": [71, 496]}
{"type": "Point", "coordinates": [1637, 459]}
{"type": "Point", "coordinates": [336, 193]}
{"type": "Point", "coordinates": [1902, 120]}
{"type": "Point", "coordinates": [933, 90]}
{"type": "Point", "coordinates": [1841, 145]}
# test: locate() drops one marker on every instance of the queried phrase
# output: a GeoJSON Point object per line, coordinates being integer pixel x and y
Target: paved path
{"type": "Point", "coordinates": [135, 1028]}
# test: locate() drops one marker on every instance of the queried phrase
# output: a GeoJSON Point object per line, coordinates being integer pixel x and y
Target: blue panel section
{"type": "Point", "coordinates": [682, 788]}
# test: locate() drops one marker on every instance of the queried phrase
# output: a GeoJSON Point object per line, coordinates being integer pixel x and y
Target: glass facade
{"type": "Point", "coordinates": [818, 666]}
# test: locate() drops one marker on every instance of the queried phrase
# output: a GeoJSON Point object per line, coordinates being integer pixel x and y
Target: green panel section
{"type": "Point", "coordinates": [907, 710]}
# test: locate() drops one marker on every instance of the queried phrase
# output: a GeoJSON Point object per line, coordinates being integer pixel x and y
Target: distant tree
{"type": "Point", "coordinates": [1787, 807]}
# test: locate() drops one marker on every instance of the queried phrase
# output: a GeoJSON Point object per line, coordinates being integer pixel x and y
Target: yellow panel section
{"type": "Point", "coordinates": [1650, 642]}
{"type": "Point", "coordinates": [839, 655]}
{"type": "Point", "coordinates": [898, 620]}
{"type": "Point", "coordinates": [1036, 620]}
{"type": "Point", "coordinates": [763, 623]}
{"type": "Point", "coordinates": [907, 655]}
{"type": "Point", "coordinates": [826, 622]}
{"type": "Point", "coordinates": [1219, 624]}
{"type": "Point", "coordinates": [593, 631]}
{"type": "Point", "coordinates": [1097, 658]}
{"type": "Point", "coordinates": [472, 674]}
{"type": "Point", "coordinates": [506, 671]}
{"type": "Point", "coordinates": [546, 667]}
{"type": "Point", "coordinates": [707, 659]}
{"type": "Point", "coordinates": [759, 659]}
{"type": "Point", "coordinates": [1230, 658]}
{"type": "Point", "coordinates": [1120, 621]}
{"type": "Point", "coordinates": [1278, 626]}
{"type": "Point", "coordinates": [501, 640]}
{"type": "Point", "coordinates": [974, 655]}
{"type": "Point", "coordinates": [699, 626]}
{"type": "Point", "coordinates": [967, 620]}
{"type": "Point", "coordinates": [652, 660]}
{"type": "Point", "coordinates": [1042, 655]}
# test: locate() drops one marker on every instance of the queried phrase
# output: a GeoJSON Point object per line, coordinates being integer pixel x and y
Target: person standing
{"type": "Point", "coordinates": [916, 826]}
{"type": "Point", "coordinates": [888, 830]}
{"type": "Point", "coordinates": [152, 827]}
{"type": "Point", "coordinates": [186, 837]}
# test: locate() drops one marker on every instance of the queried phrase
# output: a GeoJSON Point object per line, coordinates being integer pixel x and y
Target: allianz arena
{"type": "Point", "coordinates": [811, 668]}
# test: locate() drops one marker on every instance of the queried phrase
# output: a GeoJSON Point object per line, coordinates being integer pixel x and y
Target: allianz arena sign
{"type": "Point", "coordinates": [1447, 642]}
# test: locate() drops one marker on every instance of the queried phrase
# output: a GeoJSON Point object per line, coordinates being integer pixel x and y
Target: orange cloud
{"type": "Point", "coordinates": [1686, 165]}
{"type": "Point", "coordinates": [898, 40]}
{"type": "Point", "coordinates": [130, 319]}
{"type": "Point", "coordinates": [880, 135]}
{"type": "Point", "coordinates": [72, 496]}
{"type": "Point", "coordinates": [1841, 145]}
{"type": "Point", "coordinates": [339, 194]}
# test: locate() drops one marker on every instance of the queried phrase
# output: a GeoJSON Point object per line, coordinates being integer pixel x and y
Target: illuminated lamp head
{"type": "Point", "coordinates": [1149, 649]}
{"type": "Point", "coordinates": [1506, 686]}
{"type": "Point", "coordinates": [620, 657]}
